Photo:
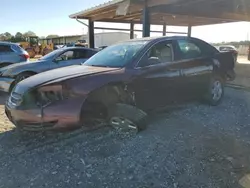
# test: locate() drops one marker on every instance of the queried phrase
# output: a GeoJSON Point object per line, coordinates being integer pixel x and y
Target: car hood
{"type": "Point", "coordinates": [21, 65]}
{"type": "Point", "coordinates": [60, 74]}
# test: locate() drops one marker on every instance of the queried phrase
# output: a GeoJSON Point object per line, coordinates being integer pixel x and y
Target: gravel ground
{"type": "Point", "coordinates": [192, 146]}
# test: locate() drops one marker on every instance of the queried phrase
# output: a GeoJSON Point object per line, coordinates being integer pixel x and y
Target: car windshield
{"type": "Point", "coordinates": [117, 55]}
{"type": "Point", "coordinates": [51, 55]}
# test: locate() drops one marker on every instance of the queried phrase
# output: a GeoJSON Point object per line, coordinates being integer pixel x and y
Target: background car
{"type": "Point", "coordinates": [121, 84]}
{"type": "Point", "coordinates": [12, 74]}
{"type": "Point", "coordinates": [12, 53]}
{"type": "Point", "coordinates": [229, 48]}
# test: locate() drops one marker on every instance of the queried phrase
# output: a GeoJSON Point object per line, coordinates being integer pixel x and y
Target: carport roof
{"type": "Point", "coordinates": [170, 12]}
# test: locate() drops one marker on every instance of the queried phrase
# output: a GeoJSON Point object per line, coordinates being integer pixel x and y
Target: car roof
{"type": "Point", "coordinates": [7, 43]}
{"type": "Point", "coordinates": [79, 48]}
{"type": "Point", "coordinates": [231, 46]}
{"type": "Point", "coordinates": [151, 39]}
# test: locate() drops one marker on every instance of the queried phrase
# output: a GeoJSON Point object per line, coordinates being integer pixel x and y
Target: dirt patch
{"type": "Point", "coordinates": [5, 124]}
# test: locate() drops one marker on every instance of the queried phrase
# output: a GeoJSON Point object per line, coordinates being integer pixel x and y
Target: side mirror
{"type": "Point", "coordinates": [153, 61]}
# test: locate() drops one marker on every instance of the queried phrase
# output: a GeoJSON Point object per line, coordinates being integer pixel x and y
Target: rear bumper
{"type": "Point", "coordinates": [5, 83]}
{"type": "Point", "coordinates": [231, 75]}
{"type": "Point", "coordinates": [57, 116]}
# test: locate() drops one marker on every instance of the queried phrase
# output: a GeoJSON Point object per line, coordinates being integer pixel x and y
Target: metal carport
{"type": "Point", "coordinates": [165, 12]}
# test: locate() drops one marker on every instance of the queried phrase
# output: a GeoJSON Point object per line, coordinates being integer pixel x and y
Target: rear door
{"type": "Point", "coordinates": [72, 57]}
{"type": "Point", "coordinates": [157, 84]}
{"type": "Point", "coordinates": [83, 55]}
{"type": "Point", "coordinates": [7, 55]}
{"type": "Point", "coordinates": [195, 61]}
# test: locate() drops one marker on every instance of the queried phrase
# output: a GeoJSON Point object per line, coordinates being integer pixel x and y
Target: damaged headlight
{"type": "Point", "coordinates": [52, 93]}
{"type": "Point", "coordinates": [15, 99]}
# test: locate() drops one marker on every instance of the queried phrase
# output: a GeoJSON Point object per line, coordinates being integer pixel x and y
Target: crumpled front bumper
{"type": "Point", "coordinates": [5, 83]}
{"type": "Point", "coordinates": [56, 116]}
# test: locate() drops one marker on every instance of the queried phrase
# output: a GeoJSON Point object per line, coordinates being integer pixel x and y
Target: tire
{"type": "Point", "coordinates": [215, 92]}
{"type": "Point", "coordinates": [127, 117]}
{"type": "Point", "coordinates": [19, 78]}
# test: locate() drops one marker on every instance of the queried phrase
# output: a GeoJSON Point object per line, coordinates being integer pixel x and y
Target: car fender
{"type": "Point", "coordinates": [5, 64]}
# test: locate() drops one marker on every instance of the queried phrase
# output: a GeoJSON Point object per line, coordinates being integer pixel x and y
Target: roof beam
{"type": "Point", "coordinates": [108, 14]}
{"type": "Point", "coordinates": [152, 3]}
{"type": "Point", "coordinates": [201, 13]}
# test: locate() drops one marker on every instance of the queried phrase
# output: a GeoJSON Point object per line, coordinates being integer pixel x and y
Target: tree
{"type": "Point", "coordinates": [19, 37]}
{"type": "Point", "coordinates": [29, 34]}
{"type": "Point", "coordinates": [7, 35]}
{"type": "Point", "coordinates": [2, 37]}
{"type": "Point", "coordinates": [52, 36]}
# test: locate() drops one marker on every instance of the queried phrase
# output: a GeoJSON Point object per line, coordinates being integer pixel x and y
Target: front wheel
{"type": "Point", "coordinates": [18, 79]}
{"type": "Point", "coordinates": [215, 92]}
{"type": "Point", "coordinates": [127, 118]}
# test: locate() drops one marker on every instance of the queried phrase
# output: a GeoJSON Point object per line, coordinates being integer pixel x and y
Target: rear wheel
{"type": "Point", "coordinates": [215, 92]}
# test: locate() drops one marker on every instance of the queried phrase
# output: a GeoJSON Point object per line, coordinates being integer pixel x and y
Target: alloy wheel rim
{"type": "Point", "coordinates": [124, 124]}
{"type": "Point", "coordinates": [216, 90]}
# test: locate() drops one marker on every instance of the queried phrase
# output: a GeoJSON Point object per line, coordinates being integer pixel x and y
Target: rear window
{"type": "Point", "coordinates": [226, 48]}
{"type": "Point", "coordinates": [5, 48]}
{"type": "Point", "coordinates": [16, 48]}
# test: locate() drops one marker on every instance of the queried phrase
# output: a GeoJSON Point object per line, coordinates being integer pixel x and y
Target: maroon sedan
{"type": "Point", "coordinates": [121, 83]}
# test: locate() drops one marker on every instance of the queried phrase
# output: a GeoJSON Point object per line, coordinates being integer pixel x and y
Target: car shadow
{"type": "Point", "coordinates": [242, 70]}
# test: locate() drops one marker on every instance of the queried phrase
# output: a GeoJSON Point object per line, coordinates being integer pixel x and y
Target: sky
{"type": "Point", "coordinates": [45, 17]}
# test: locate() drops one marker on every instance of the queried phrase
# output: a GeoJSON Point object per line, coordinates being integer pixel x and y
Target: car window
{"type": "Point", "coordinates": [5, 48]}
{"type": "Point", "coordinates": [188, 49]}
{"type": "Point", "coordinates": [52, 54]}
{"type": "Point", "coordinates": [117, 55]}
{"type": "Point", "coordinates": [16, 48]}
{"type": "Point", "coordinates": [81, 54]}
{"type": "Point", "coordinates": [91, 53]}
{"type": "Point", "coordinates": [68, 55]}
{"type": "Point", "coordinates": [162, 51]}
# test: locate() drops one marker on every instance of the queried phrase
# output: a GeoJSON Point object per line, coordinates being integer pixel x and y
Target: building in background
{"type": "Point", "coordinates": [101, 39]}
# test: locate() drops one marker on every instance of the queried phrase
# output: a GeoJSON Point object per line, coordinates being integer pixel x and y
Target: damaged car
{"type": "Point", "coordinates": [121, 84]}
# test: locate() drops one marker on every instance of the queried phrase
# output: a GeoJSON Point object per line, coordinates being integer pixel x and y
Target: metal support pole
{"type": "Point", "coordinates": [189, 30]}
{"type": "Point", "coordinates": [91, 34]}
{"type": "Point", "coordinates": [131, 30]}
{"type": "Point", "coordinates": [164, 30]}
{"type": "Point", "coordinates": [146, 21]}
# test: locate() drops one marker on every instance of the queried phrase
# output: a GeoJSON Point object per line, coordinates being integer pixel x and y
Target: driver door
{"type": "Point", "coordinates": [71, 57]}
{"type": "Point", "coordinates": [156, 86]}
{"type": "Point", "coordinates": [63, 60]}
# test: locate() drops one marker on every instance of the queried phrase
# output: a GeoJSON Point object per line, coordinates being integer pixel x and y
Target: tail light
{"type": "Point", "coordinates": [25, 56]}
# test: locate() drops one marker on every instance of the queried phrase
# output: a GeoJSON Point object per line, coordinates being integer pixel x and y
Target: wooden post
{"type": "Point", "coordinates": [164, 29]}
{"type": "Point", "coordinates": [91, 34]}
{"type": "Point", "coordinates": [146, 21]}
{"type": "Point", "coordinates": [189, 30]}
{"type": "Point", "coordinates": [131, 30]}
